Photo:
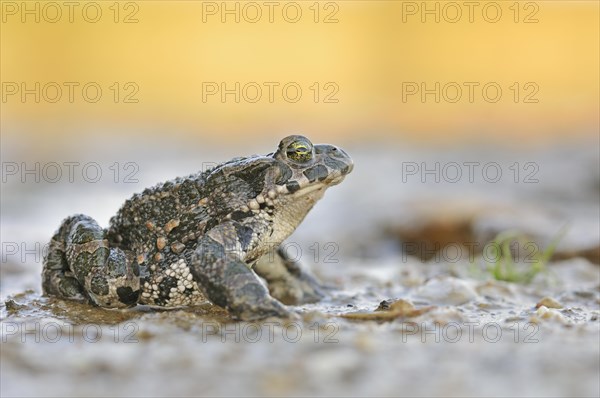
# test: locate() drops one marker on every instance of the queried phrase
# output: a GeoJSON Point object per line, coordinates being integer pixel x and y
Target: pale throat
{"type": "Point", "coordinates": [291, 209]}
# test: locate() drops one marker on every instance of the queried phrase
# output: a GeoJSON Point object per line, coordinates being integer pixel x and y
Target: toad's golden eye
{"type": "Point", "coordinates": [300, 151]}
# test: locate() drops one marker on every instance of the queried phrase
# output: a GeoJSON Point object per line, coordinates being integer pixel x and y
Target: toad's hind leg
{"type": "Point", "coordinates": [57, 278]}
{"type": "Point", "coordinates": [81, 263]}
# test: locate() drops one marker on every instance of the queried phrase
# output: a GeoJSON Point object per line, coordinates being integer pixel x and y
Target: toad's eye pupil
{"type": "Point", "coordinates": [299, 152]}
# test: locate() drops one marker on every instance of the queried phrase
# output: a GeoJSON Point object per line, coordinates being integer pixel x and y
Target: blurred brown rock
{"type": "Point", "coordinates": [434, 225]}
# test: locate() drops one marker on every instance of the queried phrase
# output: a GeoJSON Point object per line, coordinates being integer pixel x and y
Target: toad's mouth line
{"type": "Point", "coordinates": [318, 186]}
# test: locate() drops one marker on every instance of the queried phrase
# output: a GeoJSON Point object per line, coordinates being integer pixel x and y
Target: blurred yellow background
{"type": "Point", "coordinates": [361, 67]}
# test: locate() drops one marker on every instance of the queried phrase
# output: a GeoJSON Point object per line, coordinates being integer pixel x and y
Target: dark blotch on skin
{"type": "Point", "coordinates": [127, 295]}
{"type": "Point", "coordinates": [254, 176]}
{"type": "Point", "coordinates": [244, 235]}
{"type": "Point", "coordinates": [238, 215]}
{"type": "Point", "coordinates": [318, 172]}
{"type": "Point", "coordinates": [164, 288]}
{"type": "Point", "coordinates": [293, 186]}
{"type": "Point", "coordinates": [256, 185]}
{"type": "Point", "coordinates": [286, 174]}
{"type": "Point", "coordinates": [211, 224]}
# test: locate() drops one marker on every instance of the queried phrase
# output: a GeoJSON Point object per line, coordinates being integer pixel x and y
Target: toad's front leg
{"type": "Point", "coordinates": [227, 281]}
{"type": "Point", "coordinates": [288, 280]}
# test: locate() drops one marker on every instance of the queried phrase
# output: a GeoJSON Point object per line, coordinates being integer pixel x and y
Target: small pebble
{"type": "Point", "coordinates": [548, 302]}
